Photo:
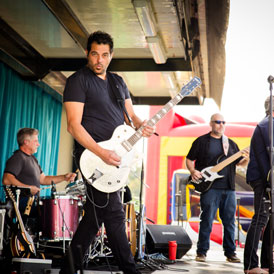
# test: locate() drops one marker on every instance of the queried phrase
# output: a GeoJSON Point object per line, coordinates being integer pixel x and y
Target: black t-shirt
{"type": "Point", "coordinates": [24, 167]}
{"type": "Point", "coordinates": [102, 113]}
{"type": "Point", "coordinates": [199, 152]}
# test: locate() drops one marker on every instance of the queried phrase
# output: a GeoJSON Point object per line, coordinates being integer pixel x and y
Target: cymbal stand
{"type": "Point", "coordinates": [63, 232]}
{"type": "Point", "coordinates": [98, 248]}
{"type": "Point", "coordinates": [64, 227]}
{"type": "Point", "coordinates": [104, 249]}
{"type": "Point", "coordinates": [102, 239]}
{"type": "Point", "coordinates": [123, 190]}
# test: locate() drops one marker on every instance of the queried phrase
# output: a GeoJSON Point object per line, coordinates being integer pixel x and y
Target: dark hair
{"type": "Point", "coordinates": [267, 105]}
{"type": "Point", "coordinates": [25, 132]}
{"type": "Point", "coordinates": [100, 37]}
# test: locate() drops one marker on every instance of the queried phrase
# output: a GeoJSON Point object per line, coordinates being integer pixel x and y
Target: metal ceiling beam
{"type": "Point", "coordinates": [123, 65]}
{"type": "Point", "coordinates": [16, 47]}
{"type": "Point", "coordinates": [67, 18]}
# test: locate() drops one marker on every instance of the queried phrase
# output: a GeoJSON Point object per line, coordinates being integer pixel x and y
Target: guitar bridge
{"type": "Point", "coordinates": [96, 175]}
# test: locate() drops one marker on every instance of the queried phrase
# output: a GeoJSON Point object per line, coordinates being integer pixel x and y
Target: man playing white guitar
{"type": "Point", "coordinates": [207, 150]}
{"type": "Point", "coordinates": [93, 113]}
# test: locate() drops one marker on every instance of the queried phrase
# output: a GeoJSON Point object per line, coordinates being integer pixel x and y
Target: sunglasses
{"type": "Point", "coordinates": [218, 122]}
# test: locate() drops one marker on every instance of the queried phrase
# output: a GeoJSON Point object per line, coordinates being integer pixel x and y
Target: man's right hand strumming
{"type": "Point", "coordinates": [196, 175]}
{"type": "Point", "coordinates": [110, 157]}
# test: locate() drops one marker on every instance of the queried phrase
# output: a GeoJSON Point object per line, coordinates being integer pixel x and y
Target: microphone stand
{"type": "Point", "coordinates": [140, 254]}
{"type": "Point", "coordinates": [271, 217]}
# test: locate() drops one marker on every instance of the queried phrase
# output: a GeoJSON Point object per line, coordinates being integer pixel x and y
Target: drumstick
{"type": "Point", "coordinates": [77, 170]}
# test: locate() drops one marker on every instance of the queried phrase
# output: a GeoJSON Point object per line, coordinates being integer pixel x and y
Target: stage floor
{"type": "Point", "coordinates": [215, 263]}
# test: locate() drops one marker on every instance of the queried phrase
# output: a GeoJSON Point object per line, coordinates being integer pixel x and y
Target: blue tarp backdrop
{"type": "Point", "coordinates": [23, 104]}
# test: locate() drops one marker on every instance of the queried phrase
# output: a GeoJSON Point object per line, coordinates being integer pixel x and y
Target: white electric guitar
{"type": "Point", "coordinates": [108, 178]}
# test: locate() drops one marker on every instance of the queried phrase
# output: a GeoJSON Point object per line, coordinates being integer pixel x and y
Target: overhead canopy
{"type": "Point", "coordinates": [158, 45]}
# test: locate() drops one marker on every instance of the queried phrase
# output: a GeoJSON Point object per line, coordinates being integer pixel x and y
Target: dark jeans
{"type": "Point", "coordinates": [258, 223]}
{"type": "Point", "coordinates": [210, 201]}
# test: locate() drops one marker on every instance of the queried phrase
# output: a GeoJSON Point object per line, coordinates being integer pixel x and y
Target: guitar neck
{"type": "Point", "coordinates": [18, 215]}
{"type": "Point", "coordinates": [228, 161]}
{"type": "Point", "coordinates": [186, 90]}
{"type": "Point", "coordinates": [155, 119]}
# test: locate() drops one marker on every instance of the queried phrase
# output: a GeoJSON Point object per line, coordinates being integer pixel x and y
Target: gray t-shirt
{"type": "Point", "coordinates": [24, 167]}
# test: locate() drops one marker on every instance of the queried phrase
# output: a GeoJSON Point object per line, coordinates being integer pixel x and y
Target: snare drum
{"type": "Point", "coordinates": [131, 226]}
{"type": "Point", "coordinates": [59, 217]}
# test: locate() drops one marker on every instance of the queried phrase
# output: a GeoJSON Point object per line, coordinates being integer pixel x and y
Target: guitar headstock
{"type": "Point", "coordinates": [10, 193]}
{"type": "Point", "coordinates": [190, 86]}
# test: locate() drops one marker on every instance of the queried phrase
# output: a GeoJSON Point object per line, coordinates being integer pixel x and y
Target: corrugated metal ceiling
{"type": "Point", "coordinates": [47, 39]}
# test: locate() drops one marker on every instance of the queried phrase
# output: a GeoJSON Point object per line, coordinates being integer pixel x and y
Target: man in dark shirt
{"type": "Point", "coordinates": [93, 113]}
{"type": "Point", "coordinates": [22, 168]}
{"type": "Point", "coordinates": [207, 150]}
{"type": "Point", "coordinates": [257, 173]}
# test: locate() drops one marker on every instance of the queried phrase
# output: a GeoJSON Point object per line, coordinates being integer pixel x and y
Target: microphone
{"type": "Point", "coordinates": [270, 79]}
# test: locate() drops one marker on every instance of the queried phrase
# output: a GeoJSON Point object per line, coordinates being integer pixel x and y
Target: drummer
{"type": "Point", "coordinates": [23, 170]}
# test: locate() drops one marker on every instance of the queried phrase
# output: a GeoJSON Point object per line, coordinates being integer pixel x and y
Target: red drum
{"type": "Point", "coordinates": [59, 217]}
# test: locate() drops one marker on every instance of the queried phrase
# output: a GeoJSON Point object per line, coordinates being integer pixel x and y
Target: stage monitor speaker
{"type": "Point", "coordinates": [158, 236]}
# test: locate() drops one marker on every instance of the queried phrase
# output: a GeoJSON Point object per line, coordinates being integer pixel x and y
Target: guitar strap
{"type": "Point", "coordinates": [115, 87]}
{"type": "Point", "coordinates": [225, 144]}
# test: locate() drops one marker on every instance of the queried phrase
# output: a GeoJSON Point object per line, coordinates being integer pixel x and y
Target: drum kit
{"type": "Point", "coordinates": [61, 213]}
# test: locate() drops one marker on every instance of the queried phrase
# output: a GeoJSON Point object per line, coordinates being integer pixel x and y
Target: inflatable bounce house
{"type": "Point", "coordinates": [166, 159]}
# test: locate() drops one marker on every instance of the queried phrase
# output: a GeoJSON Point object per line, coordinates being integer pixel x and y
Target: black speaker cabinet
{"type": "Point", "coordinates": [158, 236]}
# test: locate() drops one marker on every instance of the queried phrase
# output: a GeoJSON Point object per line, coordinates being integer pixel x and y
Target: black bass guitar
{"type": "Point", "coordinates": [210, 174]}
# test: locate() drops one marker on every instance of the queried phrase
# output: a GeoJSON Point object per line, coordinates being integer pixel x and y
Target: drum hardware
{"type": "Point", "coordinates": [59, 218]}
{"type": "Point", "coordinates": [53, 189]}
{"type": "Point", "coordinates": [99, 247]}
{"type": "Point", "coordinates": [77, 188]}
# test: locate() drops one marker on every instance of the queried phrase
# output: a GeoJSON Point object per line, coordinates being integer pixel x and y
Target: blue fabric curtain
{"type": "Point", "coordinates": [23, 104]}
